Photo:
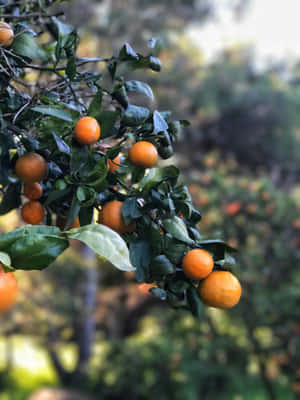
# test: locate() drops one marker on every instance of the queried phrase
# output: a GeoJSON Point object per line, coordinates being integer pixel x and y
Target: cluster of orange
{"type": "Point", "coordinates": [220, 289]}
{"type": "Point", "coordinates": [31, 168]}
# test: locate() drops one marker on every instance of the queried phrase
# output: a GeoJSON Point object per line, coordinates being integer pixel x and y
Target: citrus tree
{"type": "Point", "coordinates": [75, 148]}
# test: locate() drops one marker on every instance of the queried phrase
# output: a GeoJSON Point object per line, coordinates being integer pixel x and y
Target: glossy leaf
{"type": "Point", "coordinates": [106, 243]}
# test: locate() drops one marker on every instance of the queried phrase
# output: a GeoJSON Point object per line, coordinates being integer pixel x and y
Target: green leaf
{"type": "Point", "coordinates": [5, 259]}
{"type": "Point", "coordinates": [106, 243]}
{"type": "Point", "coordinates": [140, 255]}
{"type": "Point", "coordinates": [127, 53]}
{"type": "Point", "coordinates": [55, 112]}
{"type": "Point", "coordinates": [131, 209]}
{"type": "Point", "coordinates": [25, 45]}
{"type": "Point", "coordinates": [157, 175]}
{"type": "Point", "coordinates": [160, 293]}
{"type": "Point", "coordinates": [195, 302]}
{"type": "Point", "coordinates": [135, 115]}
{"type": "Point", "coordinates": [174, 251]}
{"type": "Point", "coordinates": [86, 215]}
{"type": "Point", "coordinates": [176, 227]}
{"type": "Point", "coordinates": [11, 198]}
{"type": "Point", "coordinates": [161, 266]}
{"type": "Point", "coordinates": [56, 194]}
{"type": "Point", "coordinates": [62, 146]}
{"type": "Point", "coordinates": [139, 87]}
{"type": "Point", "coordinates": [36, 251]}
{"type": "Point", "coordinates": [71, 67]}
{"type": "Point", "coordinates": [216, 247]}
{"type": "Point", "coordinates": [94, 109]}
{"type": "Point", "coordinates": [120, 94]}
{"type": "Point", "coordinates": [159, 123]}
{"type": "Point", "coordinates": [107, 120]}
{"type": "Point", "coordinates": [73, 211]}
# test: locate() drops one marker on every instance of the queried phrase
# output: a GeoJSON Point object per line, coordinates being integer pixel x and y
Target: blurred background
{"type": "Point", "coordinates": [233, 69]}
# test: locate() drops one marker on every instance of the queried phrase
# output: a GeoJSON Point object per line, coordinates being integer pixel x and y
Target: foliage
{"type": "Point", "coordinates": [40, 118]}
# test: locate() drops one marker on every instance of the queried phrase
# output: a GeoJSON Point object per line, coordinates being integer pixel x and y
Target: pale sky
{"type": "Point", "coordinates": [271, 27]}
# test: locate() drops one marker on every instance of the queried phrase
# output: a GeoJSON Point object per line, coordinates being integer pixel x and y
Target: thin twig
{"type": "Point", "coordinates": [32, 15]}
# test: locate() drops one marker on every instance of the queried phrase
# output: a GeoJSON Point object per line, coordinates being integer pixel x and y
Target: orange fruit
{"type": "Point", "coordinates": [87, 130]}
{"type": "Point", "coordinates": [251, 208]}
{"type": "Point", "coordinates": [111, 216]}
{"type": "Point", "coordinates": [61, 222]}
{"type": "Point", "coordinates": [33, 190]}
{"type": "Point", "coordinates": [265, 195]}
{"type": "Point", "coordinates": [143, 154]}
{"type": "Point", "coordinates": [197, 264]}
{"type": "Point", "coordinates": [6, 34]}
{"type": "Point", "coordinates": [31, 167]}
{"type": "Point", "coordinates": [8, 290]}
{"type": "Point", "coordinates": [221, 289]}
{"type": "Point", "coordinates": [112, 164]}
{"type": "Point", "coordinates": [233, 208]}
{"type": "Point", "coordinates": [33, 212]}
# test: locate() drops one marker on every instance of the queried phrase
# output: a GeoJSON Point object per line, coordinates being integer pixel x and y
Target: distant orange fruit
{"type": "Point", "coordinates": [221, 289]}
{"type": "Point", "coordinates": [33, 212]}
{"type": "Point", "coordinates": [87, 130]}
{"type": "Point", "coordinates": [31, 167]}
{"type": "Point", "coordinates": [265, 195]}
{"type": "Point", "coordinates": [233, 208]}
{"type": "Point", "coordinates": [113, 164]}
{"type": "Point", "coordinates": [251, 208]}
{"type": "Point", "coordinates": [8, 290]}
{"type": "Point", "coordinates": [111, 216]}
{"type": "Point", "coordinates": [6, 34]}
{"type": "Point", "coordinates": [143, 154]}
{"type": "Point", "coordinates": [33, 190]}
{"type": "Point", "coordinates": [197, 264]}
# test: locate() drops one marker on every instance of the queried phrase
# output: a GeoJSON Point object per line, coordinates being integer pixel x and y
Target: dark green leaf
{"type": "Point", "coordinates": [94, 109]}
{"type": "Point", "coordinates": [161, 266]}
{"type": "Point", "coordinates": [107, 120]}
{"type": "Point", "coordinates": [159, 123]}
{"type": "Point", "coordinates": [36, 251]}
{"type": "Point", "coordinates": [131, 209]}
{"type": "Point", "coordinates": [135, 115]}
{"type": "Point", "coordinates": [140, 256]}
{"type": "Point", "coordinates": [160, 293]}
{"type": "Point", "coordinates": [195, 302]}
{"type": "Point", "coordinates": [139, 87]}
{"type": "Point", "coordinates": [25, 45]}
{"type": "Point", "coordinates": [176, 227]}
{"type": "Point", "coordinates": [157, 175]}
{"type": "Point", "coordinates": [73, 211]}
{"type": "Point", "coordinates": [54, 112]}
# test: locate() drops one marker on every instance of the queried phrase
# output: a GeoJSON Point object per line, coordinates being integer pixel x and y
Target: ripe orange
{"type": "Point", "coordinates": [87, 130]}
{"type": "Point", "coordinates": [6, 34]}
{"type": "Point", "coordinates": [112, 164]}
{"type": "Point", "coordinates": [31, 167]}
{"type": "Point", "coordinates": [233, 208]}
{"type": "Point", "coordinates": [111, 216]}
{"type": "Point", "coordinates": [221, 289]}
{"type": "Point", "coordinates": [33, 212]}
{"type": "Point", "coordinates": [8, 290]}
{"type": "Point", "coordinates": [251, 208]}
{"type": "Point", "coordinates": [61, 222]}
{"type": "Point", "coordinates": [143, 154]}
{"type": "Point", "coordinates": [33, 190]}
{"type": "Point", "coordinates": [197, 264]}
